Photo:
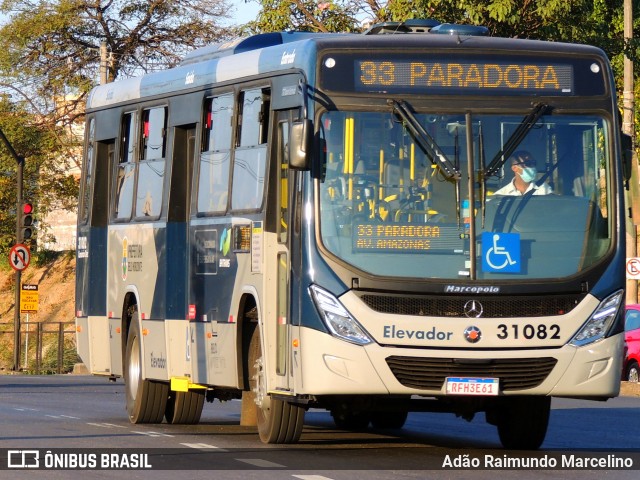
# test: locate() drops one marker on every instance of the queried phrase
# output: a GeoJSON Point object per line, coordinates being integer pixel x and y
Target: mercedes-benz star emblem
{"type": "Point", "coordinates": [473, 309]}
{"type": "Point", "coordinates": [472, 334]}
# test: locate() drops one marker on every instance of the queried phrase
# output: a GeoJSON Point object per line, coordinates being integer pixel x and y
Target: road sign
{"type": "Point", "coordinates": [633, 268]}
{"type": "Point", "coordinates": [19, 257]}
{"type": "Point", "coordinates": [29, 298]}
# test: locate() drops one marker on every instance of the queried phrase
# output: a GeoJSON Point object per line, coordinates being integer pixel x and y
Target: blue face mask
{"type": "Point", "coordinates": [528, 174]}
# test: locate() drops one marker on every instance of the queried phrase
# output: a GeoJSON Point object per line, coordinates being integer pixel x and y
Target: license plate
{"type": "Point", "coordinates": [472, 386]}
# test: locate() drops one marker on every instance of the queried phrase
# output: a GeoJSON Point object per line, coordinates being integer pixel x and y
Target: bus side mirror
{"type": "Point", "coordinates": [627, 155]}
{"type": "Point", "coordinates": [300, 144]}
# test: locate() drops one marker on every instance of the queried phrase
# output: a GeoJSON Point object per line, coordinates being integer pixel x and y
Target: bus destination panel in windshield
{"type": "Point", "coordinates": [407, 238]}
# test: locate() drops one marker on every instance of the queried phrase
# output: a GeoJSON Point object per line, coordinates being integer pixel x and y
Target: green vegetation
{"type": "Point", "coordinates": [50, 58]}
{"type": "Point", "coordinates": [595, 22]}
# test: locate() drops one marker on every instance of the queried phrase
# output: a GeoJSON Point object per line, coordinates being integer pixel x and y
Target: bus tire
{"type": "Point", "coordinates": [184, 408]}
{"type": "Point", "coordinates": [522, 422]}
{"type": "Point", "coordinates": [146, 399]}
{"type": "Point", "coordinates": [278, 421]}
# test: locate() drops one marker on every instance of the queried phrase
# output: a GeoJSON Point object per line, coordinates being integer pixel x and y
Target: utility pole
{"type": "Point", "coordinates": [103, 63]}
{"type": "Point", "coordinates": [18, 274]}
{"type": "Point", "coordinates": [628, 128]}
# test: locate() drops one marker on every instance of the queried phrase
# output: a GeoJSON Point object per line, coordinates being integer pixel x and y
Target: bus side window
{"type": "Point", "coordinates": [251, 154]}
{"type": "Point", "coordinates": [126, 168]}
{"type": "Point", "coordinates": [213, 177]}
{"type": "Point", "coordinates": [283, 144]}
{"type": "Point", "coordinates": [85, 198]}
{"type": "Point", "coordinates": [152, 164]}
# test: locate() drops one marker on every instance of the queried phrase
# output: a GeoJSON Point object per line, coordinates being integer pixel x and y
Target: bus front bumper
{"type": "Point", "coordinates": [330, 366]}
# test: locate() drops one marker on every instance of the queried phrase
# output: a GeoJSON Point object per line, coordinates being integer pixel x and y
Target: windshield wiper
{"type": "Point", "coordinates": [424, 140]}
{"type": "Point", "coordinates": [456, 163]}
{"type": "Point", "coordinates": [482, 179]}
{"type": "Point", "coordinates": [515, 139]}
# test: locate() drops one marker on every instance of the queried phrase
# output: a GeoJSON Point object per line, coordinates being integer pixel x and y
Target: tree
{"type": "Point", "coordinates": [505, 18]}
{"type": "Point", "coordinates": [304, 15]}
{"type": "Point", "coordinates": [51, 48]}
{"type": "Point", "coordinates": [43, 173]}
{"type": "Point", "coordinates": [49, 62]}
{"type": "Point", "coordinates": [515, 18]}
{"type": "Point", "coordinates": [594, 22]}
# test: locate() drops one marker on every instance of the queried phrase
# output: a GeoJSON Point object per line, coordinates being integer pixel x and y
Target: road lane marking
{"type": "Point", "coordinates": [62, 416]}
{"type": "Point", "coordinates": [153, 434]}
{"type": "Point", "coordinates": [203, 446]}
{"type": "Point", "coordinates": [259, 462]}
{"type": "Point", "coordinates": [106, 425]}
{"type": "Point", "coordinates": [311, 477]}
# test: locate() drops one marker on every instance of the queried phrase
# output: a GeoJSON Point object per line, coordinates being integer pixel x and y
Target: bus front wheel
{"type": "Point", "coordinates": [278, 421]}
{"type": "Point", "coordinates": [522, 422]}
{"type": "Point", "coordinates": [146, 399]}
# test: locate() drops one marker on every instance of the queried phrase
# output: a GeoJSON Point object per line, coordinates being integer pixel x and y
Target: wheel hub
{"type": "Point", "coordinates": [259, 382]}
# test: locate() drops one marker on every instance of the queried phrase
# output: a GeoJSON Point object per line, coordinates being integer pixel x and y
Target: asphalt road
{"type": "Point", "coordinates": [82, 419]}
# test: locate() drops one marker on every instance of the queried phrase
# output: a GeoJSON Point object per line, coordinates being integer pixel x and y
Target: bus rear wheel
{"type": "Point", "coordinates": [146, 399]}
{"type": "Point", "coordinates": [184, 408]}
{"type": "Point", "coordinates": [278, 421]}
{"type": "Point", "coordinates": [522, 422]}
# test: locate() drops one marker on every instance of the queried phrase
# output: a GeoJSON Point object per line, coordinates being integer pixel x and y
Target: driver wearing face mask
{"type": "Point", "coordinates": [525, 172]}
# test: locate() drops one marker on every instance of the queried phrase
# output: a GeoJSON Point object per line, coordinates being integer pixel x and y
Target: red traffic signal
{"type": "Point", "coordinates": [27, 221]}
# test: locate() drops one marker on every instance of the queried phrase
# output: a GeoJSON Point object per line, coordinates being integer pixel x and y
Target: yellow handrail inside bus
{"type": "Point", "coordinates": [348, 153]}
{"type": "Point", "coordinates": [381, 175]}
{"type": "Point", "coordinates": [412, 167]}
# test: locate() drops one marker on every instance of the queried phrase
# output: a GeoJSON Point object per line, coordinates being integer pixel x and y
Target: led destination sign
{"type": "Point", "coordinates": [435, 75]}
{"type": "Point", "coordinates": [463, 73]}
{"type": "Point", "coordinates": [406, 238]}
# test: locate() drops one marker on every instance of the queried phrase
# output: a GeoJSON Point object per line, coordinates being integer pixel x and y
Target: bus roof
{"type": "Point", "coordinates": [291, 51]}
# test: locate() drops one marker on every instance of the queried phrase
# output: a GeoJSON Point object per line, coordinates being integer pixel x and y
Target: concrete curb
{"type": "Point", "coordinates": [630, 389]}
{"type": "Point", "coordinates": [80, 369]}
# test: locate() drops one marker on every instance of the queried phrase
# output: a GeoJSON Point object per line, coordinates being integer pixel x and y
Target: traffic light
{"type": "Point", "coordinates": [27, 221]}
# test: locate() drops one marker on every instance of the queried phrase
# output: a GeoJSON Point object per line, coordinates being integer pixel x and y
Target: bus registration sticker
{"type": "Point", "coordinates": [472, 386]}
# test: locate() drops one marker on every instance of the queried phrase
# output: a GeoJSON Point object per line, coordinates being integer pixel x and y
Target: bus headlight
{"type": "Point", "coordinates": [600, 321]}
{"type": "Point", "coordinates": [337, 319]}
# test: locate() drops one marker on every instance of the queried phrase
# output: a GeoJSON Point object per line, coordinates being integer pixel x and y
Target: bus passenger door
{"type": "Point", "coordinates": [177, 326]}
{"type": "Point", "coordinates": [91, 279]}
{"type": "Point", "coordinates": [277, 258]}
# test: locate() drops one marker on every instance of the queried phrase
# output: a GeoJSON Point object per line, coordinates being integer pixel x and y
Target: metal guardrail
{"type": "Point", "coordinates": [33, 360]}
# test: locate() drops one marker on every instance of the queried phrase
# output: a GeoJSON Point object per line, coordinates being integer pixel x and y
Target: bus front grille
{"type": "Point", "coordinates": [430, 373]}
{"type": "Point", "coordinates": [492, 307]}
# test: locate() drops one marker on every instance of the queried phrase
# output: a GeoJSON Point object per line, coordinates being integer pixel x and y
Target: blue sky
{"type": "Point", "coordinates": [243, 12]}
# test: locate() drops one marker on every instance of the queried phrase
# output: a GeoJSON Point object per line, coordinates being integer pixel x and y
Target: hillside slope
{"type": "Point", "coordinates": [56, 288]}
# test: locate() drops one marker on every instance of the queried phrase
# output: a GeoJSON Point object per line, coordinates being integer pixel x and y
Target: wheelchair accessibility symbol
{"type": "Point", "coordinates": [501, 252]}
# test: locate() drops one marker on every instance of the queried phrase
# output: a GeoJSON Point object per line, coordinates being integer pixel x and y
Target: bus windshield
{"type": "Point", "coordinates": [533, 204]}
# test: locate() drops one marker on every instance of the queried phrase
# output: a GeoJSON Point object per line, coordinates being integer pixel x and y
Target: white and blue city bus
{"type": "Point", "coordinates": [320, 221]}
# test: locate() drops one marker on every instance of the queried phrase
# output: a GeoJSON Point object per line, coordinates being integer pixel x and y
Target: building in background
{"type": "Point", "coordinates": [57, 229]}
